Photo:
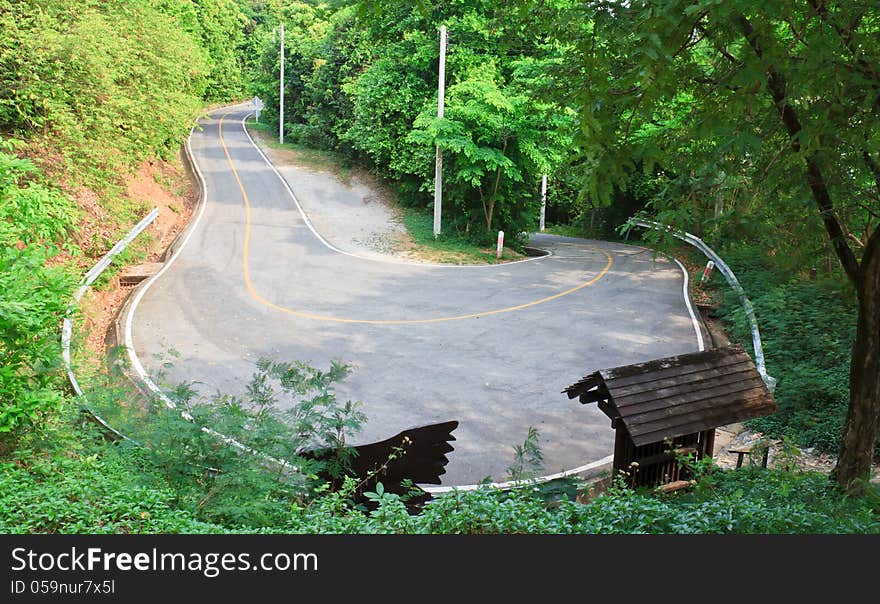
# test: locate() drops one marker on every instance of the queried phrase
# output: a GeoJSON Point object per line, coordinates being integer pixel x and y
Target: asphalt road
{"type": "Point", "coordinates": [491, 346]}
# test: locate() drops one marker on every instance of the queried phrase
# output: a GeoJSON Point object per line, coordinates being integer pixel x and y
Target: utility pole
{"type": "Point", "coordinates": [543, 200]}
{"type": "Point", "coordinates": [281, 90]}
{"type": "Point", "coordinates": [438, 164]}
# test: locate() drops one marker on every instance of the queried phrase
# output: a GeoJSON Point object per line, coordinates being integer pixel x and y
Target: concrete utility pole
{"type": "Point", "coordinates": [543, 199]}
{"type": "Point", "coordinates": [438, 164]}
{"type": "Point", "coordinates": [281, 90]}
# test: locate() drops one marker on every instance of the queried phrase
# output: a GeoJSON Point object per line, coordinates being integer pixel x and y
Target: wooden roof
{"type": "Point", "coordinates": [678, 395]}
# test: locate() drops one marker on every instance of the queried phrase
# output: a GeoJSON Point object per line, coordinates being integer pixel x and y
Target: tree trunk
{"type": "Point", "coordinates": [491, 211]}
{"type": "Point", "coordinates": [862, 427]}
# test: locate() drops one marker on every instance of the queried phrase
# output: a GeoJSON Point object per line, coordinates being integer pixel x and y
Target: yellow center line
{"type": "Point", "coordinates": [307, 315]}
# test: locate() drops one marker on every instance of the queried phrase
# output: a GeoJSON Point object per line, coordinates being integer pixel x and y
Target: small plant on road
{"type": "Point", "coordinates": [528, 460]}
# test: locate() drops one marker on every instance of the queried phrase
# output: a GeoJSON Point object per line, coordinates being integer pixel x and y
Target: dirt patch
{"type": "Point", "coordinates": [780, 454]}
{"type": "Point", "coordinates": [165, 186]}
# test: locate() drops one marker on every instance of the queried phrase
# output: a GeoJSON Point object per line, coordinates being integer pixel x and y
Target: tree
{"type": "Point", "coordinates": [478, 131]}
{"type": "Point", "coordinates": [362, 80]}
{"type": "Point", "coordinates": [32, 295]}
{"type": "Point", "coordinates": [221, 29]}
{"type": "Point", "coordinates": [773, 106]}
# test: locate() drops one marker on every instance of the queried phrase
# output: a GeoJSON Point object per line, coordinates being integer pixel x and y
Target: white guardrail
{"type": "Point", "coordinates": [731, 280]}
{"type": "Point", "coordinates": [85, 283]}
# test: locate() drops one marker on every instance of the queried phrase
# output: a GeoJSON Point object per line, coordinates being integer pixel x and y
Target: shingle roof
{"type": "Point", "coordinates": [678, 395]}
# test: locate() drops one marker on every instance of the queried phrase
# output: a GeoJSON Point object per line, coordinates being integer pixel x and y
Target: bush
{"type": "Point", "coordinates": [751, 500]}
{"type": "Point", "coordinates": [255, 482]}
{"type": "Point", "coordinates": [33, 296]}
{"type": "Point", "coordinates": [32, 301]}
{"type": "Point", "coordinates": [807, 328]}
{"type": "Point", "coordinates": [97, 492]}
{"type": "Point", "coordinates": [131, 82]}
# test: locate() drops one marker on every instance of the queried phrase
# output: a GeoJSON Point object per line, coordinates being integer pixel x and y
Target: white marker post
{"type": "Point", "coordinates": [500, 250]}
{"type": "Point", "coordinates": [706, 272]}
{"type": "Point", "coordinates": [543, 200]}
{"type": "Point", "coordinates": [281, 93]}
{"type": "Point", "coordinates": [258, 106]}
{"type": "Point", "coordinates": [438, 163]}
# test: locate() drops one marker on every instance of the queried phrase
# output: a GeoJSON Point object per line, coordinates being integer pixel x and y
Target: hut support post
{"type": "Point", "coordinates": [621, 459]}
{"type": "Point", "coordinates": [709, 442]}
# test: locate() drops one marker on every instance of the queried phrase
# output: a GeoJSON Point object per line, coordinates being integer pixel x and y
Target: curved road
{"type": "Point", "coordinates": [491, 346]}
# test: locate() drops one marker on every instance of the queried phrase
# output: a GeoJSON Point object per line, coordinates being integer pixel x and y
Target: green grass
{"type": "Point", "coordinates": [566, 230]}
{"type": "Point", "coordinates": [449, 247]}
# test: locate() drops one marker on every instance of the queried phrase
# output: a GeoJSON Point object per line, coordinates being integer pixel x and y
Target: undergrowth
{"type": "Point", "coordinates": [807, 328]}
{"type": "Point", "coordinates": [80, 485]}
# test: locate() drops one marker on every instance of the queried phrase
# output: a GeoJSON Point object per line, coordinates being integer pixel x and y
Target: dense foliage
{"type": "Point", "coordinates": [260, 465]}
{"type": "Point", "coordinates": [33, 217]}
{"type": "Point", "coordinates": [107, 84]}
{"type": "Point", "coordinates": [363, 80]}
{"type": "Point", "coordinates": [82, 487]}
{"type": "Point", "coordinates": [675, 90]}
{"type": "Point", "coordinates": [806, 325]}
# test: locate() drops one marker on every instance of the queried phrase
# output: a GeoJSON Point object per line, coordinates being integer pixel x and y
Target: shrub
{"type": "Point", "coordinates": [33, 296]}
{"type": "Point", "coordinates": [807, 327]}
{"type": "Point", "coordinates": [97, 492]}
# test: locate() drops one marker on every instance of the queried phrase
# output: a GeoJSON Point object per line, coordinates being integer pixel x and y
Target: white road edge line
{"type": "Point", "coordinates": [129, 341]}
{"type": "Point", "coordinates": [389, 260]}
{"type": "Point", "coordinates": [511, 484]}
{"type": "Point", "coordinates": [139, 294]}
{"type": "Point", "coordinates": [687, 302]}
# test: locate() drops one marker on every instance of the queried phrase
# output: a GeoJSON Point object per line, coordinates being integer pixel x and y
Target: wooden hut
{"type": "Point", "coordinates": [664, 408]}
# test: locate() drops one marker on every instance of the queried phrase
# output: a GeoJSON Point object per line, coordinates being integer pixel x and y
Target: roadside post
{"type": "Point", "coordinates": [438, 162]}
{"type": "Point", "coordinates": [707, 272]}
{"type": "Point", "coordinates": [543, 200]}
{"type": "Point", "coordinates": [500, 250]}
{"type": "Point", "coordinates": [281, 93]}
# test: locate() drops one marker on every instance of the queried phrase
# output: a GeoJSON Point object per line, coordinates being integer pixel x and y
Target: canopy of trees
{"type": "Point", "coordinates": [754, 120]}
{"type": "Point", "coordinates": [111, 83]}
{"type": "Point", "coordinates": [363, 81]}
